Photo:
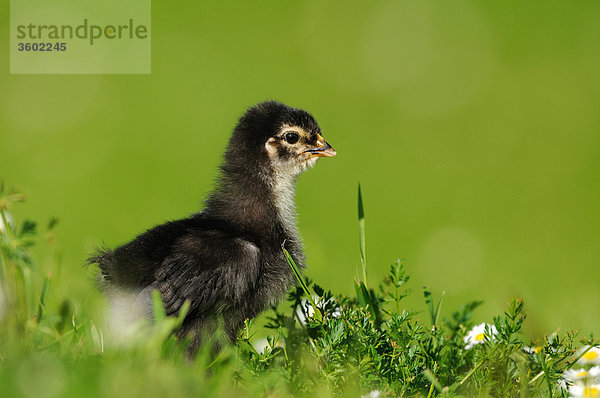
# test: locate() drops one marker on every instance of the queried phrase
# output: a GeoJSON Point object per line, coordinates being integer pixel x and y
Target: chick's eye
{"type": "Point", "coordinates": [292, 137]}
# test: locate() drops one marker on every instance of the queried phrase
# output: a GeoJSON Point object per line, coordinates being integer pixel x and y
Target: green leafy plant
{"type": "Point", "coordinates": [320, 343]}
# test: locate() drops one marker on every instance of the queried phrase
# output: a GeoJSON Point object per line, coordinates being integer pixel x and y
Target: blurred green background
{"type": "Point", "coordinates": [473, 127]}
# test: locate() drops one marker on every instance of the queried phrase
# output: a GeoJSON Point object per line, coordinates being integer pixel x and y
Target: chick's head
{"type": "Point", "coordinates": [289, 139]}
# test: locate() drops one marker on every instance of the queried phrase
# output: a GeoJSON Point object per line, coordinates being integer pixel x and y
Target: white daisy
{"type": "Point", "coordinates": [533, 350]}
{"type": "Point", "coordinates": [584, 391]}
{"type": "Point", "coordinates": [591, 357]}
{"type": "Point", "coordinates": [575, 375]}
{"type": "Point", "coordinates": [477, 335]}
{"type": "Point", "coordinates": [562, 384]}
{"type": "Point", "coordinates": [372, 394]}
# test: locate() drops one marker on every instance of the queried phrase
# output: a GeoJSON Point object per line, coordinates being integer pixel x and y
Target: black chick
{"type": "Point", "coordinates": [227, 260]}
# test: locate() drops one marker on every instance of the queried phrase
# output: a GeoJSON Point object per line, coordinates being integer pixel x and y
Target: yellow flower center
{"type": "Point", "coordinates": [537, 349]}
{"type": "Point", "coordinates": [590, 355]}
{"type": "Point", "coordinates": [583, 373]}
{"type": "Point", "coordinates": [480, 337]}
{"type": "Point", "coordinates": [591, 392]}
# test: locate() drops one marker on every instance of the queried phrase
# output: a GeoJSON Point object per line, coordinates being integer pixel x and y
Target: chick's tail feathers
{"type": "Point", "coordinates": [105, 259]}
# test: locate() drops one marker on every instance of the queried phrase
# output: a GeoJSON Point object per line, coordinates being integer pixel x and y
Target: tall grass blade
{"type": "Point", "coordinates": [307, 291]}
{"type": "Point", "coordinates": [434, 310]}
{"type": "Point", "coordinates": [368, 299]}
{"type": "Point", "coordinates": [361, 236]}
{"type": "Point", "coordinates": [43, 294]}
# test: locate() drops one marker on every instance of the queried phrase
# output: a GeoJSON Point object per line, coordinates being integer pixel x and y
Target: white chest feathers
{"type": "Point", "coordinates": [283, 197]}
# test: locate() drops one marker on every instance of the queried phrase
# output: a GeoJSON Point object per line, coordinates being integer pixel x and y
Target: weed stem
{"type": "Point", "coordinates": [478, 365]}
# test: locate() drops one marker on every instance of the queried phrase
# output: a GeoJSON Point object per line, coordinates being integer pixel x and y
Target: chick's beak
{"type": "Point", "coordinates": [322, 149]}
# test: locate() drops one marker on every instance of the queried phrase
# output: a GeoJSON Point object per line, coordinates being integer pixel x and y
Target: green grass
{"type": "Point", "coordinates": [319, 343]}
